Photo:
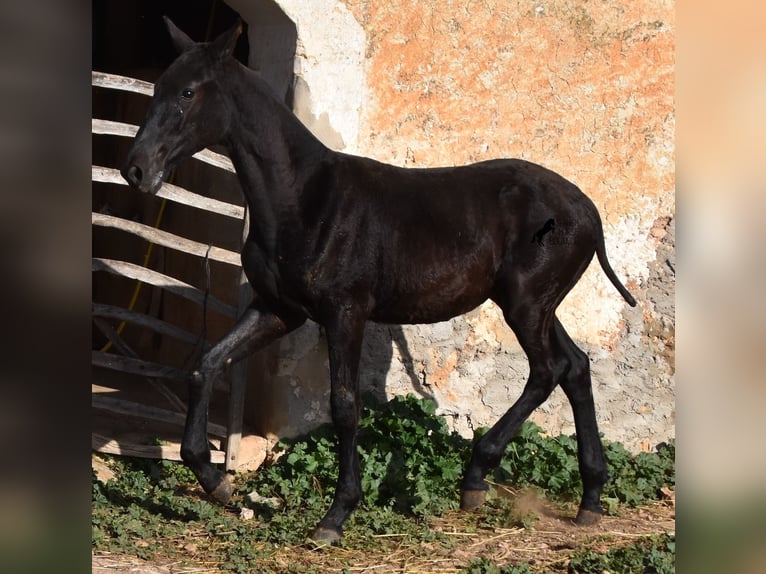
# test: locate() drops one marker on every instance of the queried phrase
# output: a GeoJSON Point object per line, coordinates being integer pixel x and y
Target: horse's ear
{"type": "Point", "coordinates": [181, 42]}
{"type": "Point", "coordinates": [223, 45]}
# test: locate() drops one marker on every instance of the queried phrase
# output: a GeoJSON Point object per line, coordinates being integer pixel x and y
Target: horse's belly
{"type": "Point", "coordinates": [431, 303]}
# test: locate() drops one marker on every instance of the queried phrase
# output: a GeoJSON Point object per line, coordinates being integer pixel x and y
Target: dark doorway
{"type": "Point", "coordinates": [130, 36]}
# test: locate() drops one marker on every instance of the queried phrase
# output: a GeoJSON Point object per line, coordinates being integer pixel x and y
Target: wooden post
{"type": "Point", "coordinates": [239, 372]}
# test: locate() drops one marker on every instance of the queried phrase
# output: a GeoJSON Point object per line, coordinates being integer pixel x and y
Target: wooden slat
{"type": "Point", "coordinates": [173, 193]}
{"type": "Point", "coordinates": [215, 159]}
{"type": "Point", "coordinates": [156, 325]}
{"type": "Point", "coordinates": [169, 395]}
{"type": "Point", "coordinates": [124, 83]}
{"type": "Point", "coordinates": [143, 368]}
{"type": "Point", "coordinates": [140, 410]}
{"type": "Point", "coordinates": [137, 366]}
{"type": "Point", "coordinates": [158, 385]}
{"type": "Point", "coordinates": [112, 128]}
{"type": "Point", "coordinates": [101, 443]}
{"type": "Point", "coordinates": [133, 271]}
{"type": "Point", "coordinates": [166, 239]}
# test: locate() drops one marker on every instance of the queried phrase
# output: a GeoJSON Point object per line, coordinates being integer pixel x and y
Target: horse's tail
{"type": "Point", "coordinates": [601, 254]}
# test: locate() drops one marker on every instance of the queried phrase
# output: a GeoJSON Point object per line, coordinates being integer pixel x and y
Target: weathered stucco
{"type": "Point", "coordinates": [584, 88]}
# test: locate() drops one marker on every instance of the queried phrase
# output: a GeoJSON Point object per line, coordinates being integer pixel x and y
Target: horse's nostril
{"type": "Point", "coordinates": [135, 174]}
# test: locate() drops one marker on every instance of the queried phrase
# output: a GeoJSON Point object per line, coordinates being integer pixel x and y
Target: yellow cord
{"type": "Point", "coordinates": [139, 283]}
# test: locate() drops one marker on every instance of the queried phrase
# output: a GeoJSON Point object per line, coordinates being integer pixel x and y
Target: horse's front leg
{"type": "Point", "coordinates": [253, 331]}
{"type": "Point", "coordinates": [344, 342]}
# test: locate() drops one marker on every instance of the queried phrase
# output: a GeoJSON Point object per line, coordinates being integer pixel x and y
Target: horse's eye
{"type": "Point", "coordinates": [187, 94]}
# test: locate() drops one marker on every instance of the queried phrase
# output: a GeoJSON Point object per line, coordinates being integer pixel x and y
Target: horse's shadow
{"type": "Point", "coordinates": [377, 360]}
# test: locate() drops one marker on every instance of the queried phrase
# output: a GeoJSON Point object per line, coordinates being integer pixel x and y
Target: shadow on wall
{"type": "Point", "coordinates": [377, 357]}
{"type": "Point", "coordinates": [289, 381]}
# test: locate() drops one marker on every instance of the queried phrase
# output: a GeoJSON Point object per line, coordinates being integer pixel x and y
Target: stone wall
{"type": "Point", "coordinates": [584, 88]}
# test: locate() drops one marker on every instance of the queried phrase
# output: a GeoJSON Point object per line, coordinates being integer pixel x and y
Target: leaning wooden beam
{"type": "Point", "coordinates": [101, 443]}
{"type": "Point", "coordinates": [156, 325]}
{"type": "Point", "coordinates": [173, 193]}
{"type": "Point", "coordinates": [134, 409]}
{"type": "Point", "coordinates": [171, 284]}
{"type": "Point", "coordinates": [159, 237]}
{"type": "Point", "coordinates": [113, 336]}
{"type": "Point", "coordinates": [125, 349]}
{"type": "Point", "coordinates": [112, 128]}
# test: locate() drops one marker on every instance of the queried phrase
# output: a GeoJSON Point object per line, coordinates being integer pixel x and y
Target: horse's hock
{"type": "Point", "coordinates": [584, 90]}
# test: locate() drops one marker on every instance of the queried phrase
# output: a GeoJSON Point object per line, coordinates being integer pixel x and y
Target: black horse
{"type": "Point", "coordinates": [342, 240]}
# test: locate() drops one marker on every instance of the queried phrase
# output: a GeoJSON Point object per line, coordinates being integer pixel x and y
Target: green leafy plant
{"type": "Point", "coordinates": [634, 479]}
{"type": "Point", "coordinates": [141, 507]}
{"type": "Point", "coordinates": [415, 462]}
{"type": "Point", "coordinates": [653, 555]}
{"type": "Point", "coordinates": [411, 463]}
{"type": "Point", "coordinates": [550, 463]}
{"type": "Point", "coordinates": [486, 566]}
{"type": "Point", "coordinates": [650, 555]}
{"type": "Point", "coordinates": [531, 459]}
{"type": "Point", "coordinates": [411, 470]}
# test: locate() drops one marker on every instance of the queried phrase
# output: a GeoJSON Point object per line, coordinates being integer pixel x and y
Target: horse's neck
{"type": "Point", "coordinates": [273, 154]}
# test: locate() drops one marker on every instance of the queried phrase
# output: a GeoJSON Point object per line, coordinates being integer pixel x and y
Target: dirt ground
{"type": "Point", "coordinates": [547, 544]}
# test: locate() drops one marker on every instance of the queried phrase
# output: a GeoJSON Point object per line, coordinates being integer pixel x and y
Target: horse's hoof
{"type": "Point", "coordinates": [222, 493]}
{"type": "Point", "coordinates": [325, 537]}
{"type": "Point", "coordinates": [587, 517]}
{"type": "Point", "coordinates": [472, 499]}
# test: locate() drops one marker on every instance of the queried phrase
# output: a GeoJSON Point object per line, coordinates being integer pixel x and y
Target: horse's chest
{"type": "Point", "coordinates": [275, 279]}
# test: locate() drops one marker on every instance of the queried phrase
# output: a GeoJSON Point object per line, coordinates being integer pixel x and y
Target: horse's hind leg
{"type": "Point", "coordinates": [254, 330]}
{"type": "Point", "coordinates": [590, 452]}
{"type": "Point", "coordinates": [555, 359]}
{"type": "Point", "coordinates": [534, 329]}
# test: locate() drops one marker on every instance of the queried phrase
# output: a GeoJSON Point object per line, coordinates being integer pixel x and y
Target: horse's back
{"type": "Point", "coordinates": [432, 240]}
{"type": "Point", "coordinates": [426, 244]}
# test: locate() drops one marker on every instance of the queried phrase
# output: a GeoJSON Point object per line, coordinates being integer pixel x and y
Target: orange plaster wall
{"type": "Point", "coordinates": [584, 88]}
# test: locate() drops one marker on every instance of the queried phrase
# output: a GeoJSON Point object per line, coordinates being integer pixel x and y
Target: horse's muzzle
{"type": "Point", "coordinates": [137, 179]}
{"type": "Point", "coordinates": [133, 175]}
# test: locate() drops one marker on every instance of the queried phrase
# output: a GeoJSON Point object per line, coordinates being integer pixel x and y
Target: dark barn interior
{"type": "Point", "coordinates": [130, 39]}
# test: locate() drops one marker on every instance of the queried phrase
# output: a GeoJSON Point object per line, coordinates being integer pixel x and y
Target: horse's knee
{"type": "Point", "coordinates": [209, 369]}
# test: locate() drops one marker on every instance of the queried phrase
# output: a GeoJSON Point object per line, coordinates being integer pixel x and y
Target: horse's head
{"type": "Point", "coordinates": [187, 112]}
